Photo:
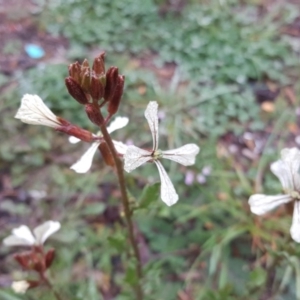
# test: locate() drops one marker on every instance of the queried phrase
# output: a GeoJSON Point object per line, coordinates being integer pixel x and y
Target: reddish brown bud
{"type": "Point", "coordinates": [111, 80]}
{"type": "Point", "coordinates": [115, 99]}
{"type": "Point", "coordinates": [33, 283]}
{"type": "Point", "coordinates": [75, 90]}
{"type": "Point", "coordinates": [98, 65]}
{"type": "Point", "coordinates": [74, 71]}
{"type": "Point", "coordinates": [74, 130]}
{"type": "Point", "coordinates": [106, 154]}
{"type": "Point", "coordinates": [49, 257]}
{"type": "Point", "coordinates": [86, 81]}
{"type": "Point", "coordinates": [94, 114]}
{"type": "Point", "coordinates": [38, 265]}
{"type": "Point", "coordinates": [22, 259]}
{"type": "Point", "coordinates": [85, 64]}
{"type": "Point", "coordinates": [97, 89]}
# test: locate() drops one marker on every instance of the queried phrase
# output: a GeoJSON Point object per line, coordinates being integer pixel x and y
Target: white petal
{"type": "Point", "coordinates": [74, 140]}
{"type": "Point", "coordinates": [291, 157]}
{"type": "Point", "coordinates": [21, 236]}
{"type": "Point", "coordinates": [167, 190]}
{"type": "Point", "coordinates": [261, 204]}
{"type": "Point", "coordinates": [20, 287]}
{"type": "Point", "coordinates": [117, 123]}
{"type": "Point", "coordinates": [85, 162]}
{"type": "Point", "coordinates": [34, 111]}
{"type": "Point", "coordinates": [295, 228]}
{"type": "Point", "coordinates": [184, 155]}
{"type": "Point", "coordinates": [135, 157]}
{"type": "Point", "coordinates": [120, 147]}
{"type": "Point", "coordinates": [152, 118]}
{"type": "Point", "coordinates": [42, 232]}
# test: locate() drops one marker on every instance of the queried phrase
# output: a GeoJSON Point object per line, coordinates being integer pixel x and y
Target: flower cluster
{"type": "Point", "coordinates": [36, 259]}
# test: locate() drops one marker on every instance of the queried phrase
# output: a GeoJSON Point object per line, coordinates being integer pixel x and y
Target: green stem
{"type": "Point", "coordinates": [50, 286]}
{"type": "Point", "coordinates": [125, 202]}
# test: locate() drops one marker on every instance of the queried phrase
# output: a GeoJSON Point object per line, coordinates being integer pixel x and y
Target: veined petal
{"type": "Point", "coordinates": [135, 157]}
{"type": "Point", "coordinates": [152, 118]}
{"type": "Point", "coordinates": [34, 111]}
{"type": "Point", "coordinates": [167, 190]}
{"type": "Point", "coordinates": [42, 232]}
{"type": "Point", "coordinates": [261, 204]}
{"type": "Point", "coordinates": [291, 158]}
{"type": "Point", "coordinates": [295, 228]}
{"type": "Point", "coordinates": [120, 147]}
{"type": "Point", "coordinates": [117, 123]}
{"type": "Point", "coordinates": [282, 172]}
{"type": "Point", "coordinates": [21, 236]}
{"type": "Point", "coordinates": [184, 155]}
{"type": "Point", "coordinates": [85, 162]}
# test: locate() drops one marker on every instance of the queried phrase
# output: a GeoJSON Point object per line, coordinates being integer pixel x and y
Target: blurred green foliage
{"type": "Point", "coordinates": [208, 41]}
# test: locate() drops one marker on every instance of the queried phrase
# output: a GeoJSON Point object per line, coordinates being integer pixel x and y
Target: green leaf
{"type": "Point", "coordinates": [258, 277]}
{"type": "Point", "coordinates": [149, 195]}
{"type": "Point", "coordinates": [94, 209]}
{"type": "Point", "coordinates": [131, 276]}
{"type": "Point", "coordinates": [7, 296]}
{"type": "Point", "coordinates": [117, 242]}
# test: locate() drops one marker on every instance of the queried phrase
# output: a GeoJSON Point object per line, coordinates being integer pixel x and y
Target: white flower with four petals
{"type": "Point", "coordinates": [85, 162]}
{"type": "Point", "coordinates": [287, 170]}
{"type": "Point", "coordinates": [22, 236]}
{"type": "Point", "coordinates": [135, 157]}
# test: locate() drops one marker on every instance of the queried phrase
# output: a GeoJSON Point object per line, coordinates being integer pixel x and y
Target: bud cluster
{"type": "Point", "coordinates": [93, 87]}
{"type": "Point", "coordinates": [36, 260]}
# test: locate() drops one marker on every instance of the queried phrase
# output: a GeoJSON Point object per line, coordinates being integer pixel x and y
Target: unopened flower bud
{"type": "Point", "coordinates": [106, 154]}
{"type": "Point", "coordinates": [111, 80]}
{"type": "Point", "coordinates": [49, 257]}
{"type": "Point", "coordinates": [94, 114]}
{"type": "Point", "coordinates": [74, 71]}
{"type": "Point", "coordinates": [22, 260]}
{"type": "Point", "coordinates": [86, 80]}
{"type": "Point", "coordinates": [114, 102]}
{"type": "Point", "coordinates": [98, 65]}
{"type": "Point", "coordinates": [97, 89]}
{"type": "Point", "coordinates": [75, 90]}
{"type": "Point", "coordinates": [33, 283]}
{"type": "Point", "coordinates": [38, 266]}
{"type": "Point", "coordinates": [85, 64]}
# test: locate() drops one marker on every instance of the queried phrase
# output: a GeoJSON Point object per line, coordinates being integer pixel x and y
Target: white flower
{"type": "Point", "coordinates": [287, 170]}
{"type": "Point", "coordinates": [34, 111]}
{"type": "Point", "coordinates": [22, 236]}
{"type": "Point", "coordinates": [20, 287]}
{"type": "Point", "coordinates": [135, 157]}
{"type": "Point", "coordinates": [85, 162]}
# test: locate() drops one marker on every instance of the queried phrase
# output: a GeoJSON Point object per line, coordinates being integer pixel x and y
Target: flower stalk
{"type": "Point", "coordinates": [126, 206]}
